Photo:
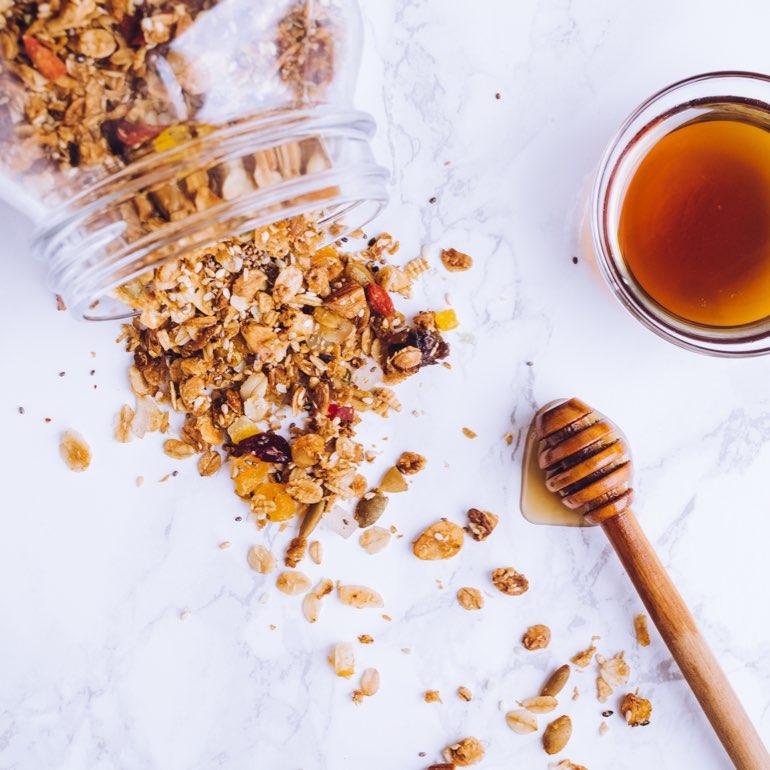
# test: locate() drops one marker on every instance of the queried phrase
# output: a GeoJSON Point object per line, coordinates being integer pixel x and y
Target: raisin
{"type": "Point", "coordinates": [428, 342]}
{"type": "Point", "coordinates": [131, 28]}
{"type": "Point", "coordinates": [267, 446]}
{"type": "Point", "coordinates": [379, 300]}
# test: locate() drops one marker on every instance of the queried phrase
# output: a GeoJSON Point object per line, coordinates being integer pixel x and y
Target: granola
{"type": "Point", "coordinates": [536, 637]}
{"type": "Point", "coordinates": [480, 524]}
{"type": "Point", "coordinates": [465, 752]}
{"type": "Point", "coordinates": [508, 581]}
{"type": "Point", "coordinates": [636, 710]}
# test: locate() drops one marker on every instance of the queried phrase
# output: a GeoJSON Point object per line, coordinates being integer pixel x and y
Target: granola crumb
{"type": "Point", "coordinates": [75, 451]}
{"type": "Point", "coordinates": [432, 696]}
{"type": "Point", "coordinates": [508, 581]}
{"type": "Point", "coordinates": [641, 630]}
{"type": "Point", "coordinates": [636, 710]}
{"type": "Point", "coordinates": [410, 463]}
{"type": "Point", "coordinates": [464, 693]}
{"type": "Point", "coordinates": [536, 637]}
{"type": "Point", "coordinates": [456, 261]}
{"type": "Point", "coordinates": [224, 545]}
{"type": "Point", "coordinates": [365, 639]}
{"type": "Point", "coordinates": [465, 752]}
{"type": "Point", "coordinates": [468, 433]}
{"type": "Point", "coordinates": [139, 481]}
{"type": "Point", "coordinates": [470, 598]}
{"type": "Point", "coordinates": [508, 438]}
{"type": "Point", "coordinates": [604, 728]}
{"type": "Point", "coordinates": [575, 692]}
{"type": "Point", "coordinates": [583, 658]}
{"type": "Point", "coordinates": [480, 524]}
{"type": "Point", "coordinates": [184, 614]}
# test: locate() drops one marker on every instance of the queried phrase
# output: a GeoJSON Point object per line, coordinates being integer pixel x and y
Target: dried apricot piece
{"type": "Point", "coordinates": [285, 506]}
{"type": "Point", "coordinates": [446, 320]}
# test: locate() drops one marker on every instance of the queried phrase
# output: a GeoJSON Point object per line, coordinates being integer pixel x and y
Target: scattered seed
{"type": "Point", "coordinates": [557, 734]}
{"type": "Point", "coordinates": [464, 693]}
{"type": "Point", "coordinates": [468, 433]}
{"type": "Point", "coordinates": [370, 681]}
{"type": "Point", "coordinates": [75, 451]}
{"type": "Point", "coordinates": [359, 596]}
{"type": "Point", "coordinates": [374, 539]}
{"type": "Point", "coordinates": [315, 551]}
{"type": "Point", "coordinates": [540, 704]}
{"type": "Point", "coordinates": [555, 683]}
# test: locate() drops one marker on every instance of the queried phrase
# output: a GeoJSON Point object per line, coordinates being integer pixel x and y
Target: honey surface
{"type": "Point", "coordinates": [695, 222]}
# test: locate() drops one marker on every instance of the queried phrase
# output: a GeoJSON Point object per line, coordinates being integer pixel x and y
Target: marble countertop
{"type": "Point", "coordinates": [99, 669]}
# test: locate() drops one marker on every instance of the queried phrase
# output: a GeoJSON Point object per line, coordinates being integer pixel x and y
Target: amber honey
{"type": "Point", "coordinates": [694, 226]}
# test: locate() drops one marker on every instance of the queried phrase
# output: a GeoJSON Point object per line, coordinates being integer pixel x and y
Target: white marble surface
{"type": "Point", "coordinates": [98, 672]}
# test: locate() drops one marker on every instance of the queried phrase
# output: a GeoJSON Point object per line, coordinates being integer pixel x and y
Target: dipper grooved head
{"type": "Point", "coordinates": [585, 459]}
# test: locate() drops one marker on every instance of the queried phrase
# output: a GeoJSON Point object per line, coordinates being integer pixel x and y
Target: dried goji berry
{"type": "Point", "coordinates": [379, 300]}
{"type": "Point", "coordinates": [134, 134]}
{"type": "Point", "coordinates": [267, 446]}
{"type": "Point", "coordinates": [45, 61]}
{"type": "Point", "coordinates": [342, 413]}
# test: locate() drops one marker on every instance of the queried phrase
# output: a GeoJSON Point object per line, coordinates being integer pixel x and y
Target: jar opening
{"type": "Point", "coordinates": [199, 190]}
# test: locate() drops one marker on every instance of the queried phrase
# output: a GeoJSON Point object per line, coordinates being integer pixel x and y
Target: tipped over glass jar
{"type": "Point", "coordinates": [134, 132]}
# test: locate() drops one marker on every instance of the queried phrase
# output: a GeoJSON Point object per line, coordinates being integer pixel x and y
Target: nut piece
{"type": "Point", "coordinates": [177, 449]}
{"type": "Point", "coordinates": [292, 583]}
{"type": "Point", "coordinates": [348, 301]}
{"type": "Point", "coordinates": [521, 721]}
{"type": "Point", "coordinates": [75, 451]}
{"type": "Point", "coordinates": [540, 704]}
{"type": "Point", "coordinates": [370, 507]}
{"type": "Point", "coordinates": [464, 693]}
{"type": "Point", "coordinates": [456, 261]}
{"type": "Point", "coordinates": [432, 696]}
{"type": "Point", "coordinates": [441, 540]}
{"type": "Point", "coordinates": [393, 481]}
{"type": "Point", "coordinates": [555, 683]}
{"type": "Point", "coordinates": [509, 581]}
{"type": "Point", "coordinates": [261, 560]}
{"type": "Point", "coordinates": [557, 734]}
{"type": "Point", "coordinates": [359, 596]}
{"type": "Point", "coordinates": [636, 710]}
{"type": "Point", "coordinates": [470, 598]}
{"type": "Point", "coordinates": [410, 463]}
{"type": "Point", "coordinates": [374, 539]}
{"type": "Point", "coordinates": [370, 681]}
{"type": "Point", "coordinates": [466, 752]}
{"type": "Point", "coordinates": [480, 524]}
{"type": "Point", "coordinates": [536, 637]}
{"type": "Point", "coordinates": [342, 659]}
{"type": "Point", "coordinates": [641, 630]}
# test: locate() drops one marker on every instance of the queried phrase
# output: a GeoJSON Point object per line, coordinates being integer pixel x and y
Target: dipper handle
{"type": "Point", "coordinates": [688, 648]}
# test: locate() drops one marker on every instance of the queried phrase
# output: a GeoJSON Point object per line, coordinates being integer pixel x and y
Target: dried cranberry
{"type": "Point", "coordinates": [267, 446]}
{"type": "Point", "coordinates": [134, 134]}
{"type": "Point", "coordinates": [342, 413]}
{"type": "Point", "coordinates": [379, 301]}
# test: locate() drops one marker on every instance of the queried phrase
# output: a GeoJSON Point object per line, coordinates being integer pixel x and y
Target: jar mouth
{"type": "Point", "coordinates": [673, 106]}
{"type": "Point", "coordinates": [315, 162]}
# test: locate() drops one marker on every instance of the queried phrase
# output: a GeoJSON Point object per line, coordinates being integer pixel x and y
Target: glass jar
{"type": "Point", "coordinates": [133, 133]}
{"type": "Point", "coordinates": [741, 96]}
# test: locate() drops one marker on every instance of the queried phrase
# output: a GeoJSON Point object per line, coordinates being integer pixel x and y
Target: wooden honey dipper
{"type": "Point", "coordinates": [587, 463]}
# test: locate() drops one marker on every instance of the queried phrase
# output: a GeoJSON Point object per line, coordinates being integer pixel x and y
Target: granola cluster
{"type": "Point", "coordinates": [259, 331]}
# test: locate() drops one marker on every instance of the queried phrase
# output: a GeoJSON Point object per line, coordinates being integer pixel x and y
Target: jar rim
{"type": "Point", "coordinates": [666, 104]}
{"type": "Point", "coordinates": [86, 263]}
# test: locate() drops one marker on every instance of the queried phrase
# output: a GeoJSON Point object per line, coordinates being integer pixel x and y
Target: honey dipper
{"type": "Point", "coordinates": [587, 463]}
